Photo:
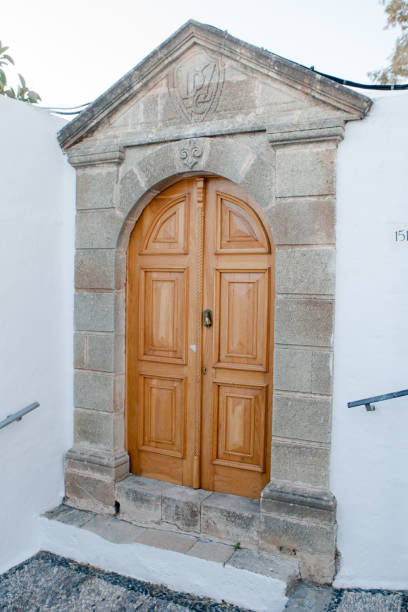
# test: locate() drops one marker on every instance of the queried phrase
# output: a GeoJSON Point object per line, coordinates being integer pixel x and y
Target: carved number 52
{"type": "Point", "coordinates": [401, 236]}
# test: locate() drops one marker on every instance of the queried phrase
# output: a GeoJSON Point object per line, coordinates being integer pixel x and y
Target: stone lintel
{"type": "Point", "coordinates": [107, 155]}
{"type": "Point", "coordinates": [322, 130]}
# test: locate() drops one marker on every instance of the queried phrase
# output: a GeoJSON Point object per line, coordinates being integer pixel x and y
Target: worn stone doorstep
{"type": "Point", "coordinates": [249, 578]}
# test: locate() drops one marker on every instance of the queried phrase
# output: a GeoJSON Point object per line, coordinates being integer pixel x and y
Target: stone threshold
{"type": "Point", "coordinates": [250, 570]}
{"type": "Point", "coordinates": [228, 518]}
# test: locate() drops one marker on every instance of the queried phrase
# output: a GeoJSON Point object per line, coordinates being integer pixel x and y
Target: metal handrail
{"type": "Point", "coordinates": [378, 398]}
{"type": "Point", "coordinates": [17, 416]}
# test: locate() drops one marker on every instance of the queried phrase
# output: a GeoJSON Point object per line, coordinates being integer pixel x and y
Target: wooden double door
{"type": "Point", "coordinates": [200, 295]}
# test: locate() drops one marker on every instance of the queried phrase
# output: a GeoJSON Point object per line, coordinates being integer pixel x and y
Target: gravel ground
{"type": "Point", "coordinates": [49, 582]}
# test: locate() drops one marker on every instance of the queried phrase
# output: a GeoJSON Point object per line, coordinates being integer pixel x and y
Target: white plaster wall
{"type": "Point", "coordinates": [369, 471]}
{"type": "Point", "coordinates": [36, 305]}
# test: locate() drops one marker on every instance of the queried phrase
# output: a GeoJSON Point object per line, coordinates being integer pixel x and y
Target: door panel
{"type": "Point", "coordinates": [162, 406]}
{"type": "Point", "coordinates": [169, 232]}
{"type": "Point", "coordinates": [242, 306]}
{"type": "Point", "coordinates": [163, 322]}
{"type": "Point", "coordinates": [240, 415]}
{"type": "Point", "coordinates": [237, 350]}
{"type": "Point", "coordinates": [238, 229]}
{"type": "Point", "coordinates": [199, 398]}
{"type": "Point", "coordinates": [163, 315]}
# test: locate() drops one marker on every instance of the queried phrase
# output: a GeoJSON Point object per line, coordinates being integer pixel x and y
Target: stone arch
{"type": "Point", "coordinates": [165, 165]}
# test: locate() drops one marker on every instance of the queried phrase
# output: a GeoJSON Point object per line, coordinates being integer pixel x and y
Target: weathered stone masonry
{"type": "Point", "coordinates": [272, 127]}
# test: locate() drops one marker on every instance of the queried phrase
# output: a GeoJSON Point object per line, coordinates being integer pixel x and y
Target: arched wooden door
{"type": "Point", "coordinates": [200, 296]}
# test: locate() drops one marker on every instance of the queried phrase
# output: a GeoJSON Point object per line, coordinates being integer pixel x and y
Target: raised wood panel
{"type": "Point", "coordinates": [163, 314]}
{"type": "Point", "coordinates": [169, 230]}
{"type": "Point", "coordinates": [238, 229]}
{"type": "Point", "coordinates": [242, 305]}
{"type": "Point", "coordinates": [240, 426]}
{"type": "Point", "coordinates": [161, 415]}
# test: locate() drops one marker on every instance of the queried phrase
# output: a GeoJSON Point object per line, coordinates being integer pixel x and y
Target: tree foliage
{"type": "Point", "coordinates": [397, 16]}
{"type": "Point", "coordinates": [22, 92]}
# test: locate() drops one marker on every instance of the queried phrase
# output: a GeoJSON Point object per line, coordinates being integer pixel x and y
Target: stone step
{"type": "Point", "coordinates": [180, 560]}
{"type": "Point", "coordinates": [230, 518]}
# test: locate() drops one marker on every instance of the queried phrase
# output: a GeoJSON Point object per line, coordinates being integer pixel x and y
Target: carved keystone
{"type": "Point", "coordinates": [190, 153]}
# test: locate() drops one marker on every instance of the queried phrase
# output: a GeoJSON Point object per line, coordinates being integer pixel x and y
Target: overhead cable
{"type": "Point", "coordinates": [392, 87]}
{"type": "Point", "coordinates": [71, 110]}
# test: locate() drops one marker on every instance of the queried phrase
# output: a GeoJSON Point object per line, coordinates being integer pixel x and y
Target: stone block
{"type": "Point", "coordinates": [302, 463]}
{"type": "Point", "coordinates": [167, 540]}
{"type": "Point", "coordinates": [290, 535]}
{"type": "Point", "coordinates": [231, 518]}
{"type": "Point", "coordinates": [87, 492]}
{"type": "Point", "coordinates": [212, 551]}
{"type": "Point", "coordinates": [307, 322]}
{"type": "Point", "coordinates": [181, 506]}
{"type": "Point", "coordinates": [305, 221]}
{"type": "Point", "coordinates": [119, 393]}
{"type": "Point", "coordinates": [57, 512]}
{"type": "Point", "coordinates": [120, 354]}
{"type": "Point", "coordinates": [140, 499]}
{"type": "Point", "coordinates": [74, 517]}
{"type": "Point", "coordinates": [306, 270]}
{"type": "Point", "coordinates": [238, 95]}
{"type": "Point", "coordinates": [98, 229]}
{"type": "Point", "coordinates": [69, 516]}
{"type": "Point", "coordinates": [305, 170]}
{"type": "Point", "coordinates": [302, 418]}
{"type": "Point", "coordinates": [292, 500]}
{"type": "Point", "coordinates": [98, 462]}
{"type": "Point", "coordinates": [318, 568]}
{"type": "Point", "coordinates": [293, 368]}
{"type": "Point", "coordinates": [80, 341]}
{"type": "Point", "coordinates": [94, 428]}
{"type": "Point", "coordinates": [120, 266]}
{"type": "Point", "coordinates": [259, 182]}
{"type": "Point", "coordinates": [95, 269]}
{"type": "Point", "coordinates": [120, 312]}
{"type": "Point", "coordinates": [95, 187]}
{"type": "Point", "coordinates": [279, 568]}
{"type": "Point", "coordinates": [94, 311]}
{"type": "Point", "coordinates": [322, 372]}
{"type": "Point", "coordinates": [119, 431]}
{"type": "Point", "coordinates": [114, 530]}
{"type": "Point", "coordinates": [303, 370]}
{"type": "Point", "coordinates": [162, 162]}
{"type": "Point", "coordinates": [228, 161]}
{"type": "Point", "coordinates": [130, 191]}
{"type": "Point", "coordinates": [100, 352]}
{"type": "Point", "coordinates": [309, 597]}
{"type": "Point", "coordinates": [94, 391]}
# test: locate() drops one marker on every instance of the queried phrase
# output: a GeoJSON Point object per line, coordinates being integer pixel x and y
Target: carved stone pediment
{"type": "Point", "coordinates": [202, 81]}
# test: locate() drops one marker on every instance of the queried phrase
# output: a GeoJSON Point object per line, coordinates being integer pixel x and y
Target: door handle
{"type": "Point", "coordinates": [207, 318]}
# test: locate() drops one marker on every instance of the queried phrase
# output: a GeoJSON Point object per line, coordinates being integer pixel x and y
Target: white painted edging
{"type": "Point", "coordinates": [175, 570]}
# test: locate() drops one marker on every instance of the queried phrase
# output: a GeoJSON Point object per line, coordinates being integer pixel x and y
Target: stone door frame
{"type": "Point", "coordinates": [291, 175]}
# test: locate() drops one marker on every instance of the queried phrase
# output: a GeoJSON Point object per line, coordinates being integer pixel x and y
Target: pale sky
{"type": "Point", "coordinates": [71, 52]}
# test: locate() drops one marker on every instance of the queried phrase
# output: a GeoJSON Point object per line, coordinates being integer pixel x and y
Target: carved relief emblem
{"type": "Point", "coordinates": [195, 85]}
{"type": "Point", "coordinates": [190, 153]}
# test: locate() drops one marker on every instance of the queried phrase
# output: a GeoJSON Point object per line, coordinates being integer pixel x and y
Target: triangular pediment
{"type": "Point", "coordinates": [202, 78]}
